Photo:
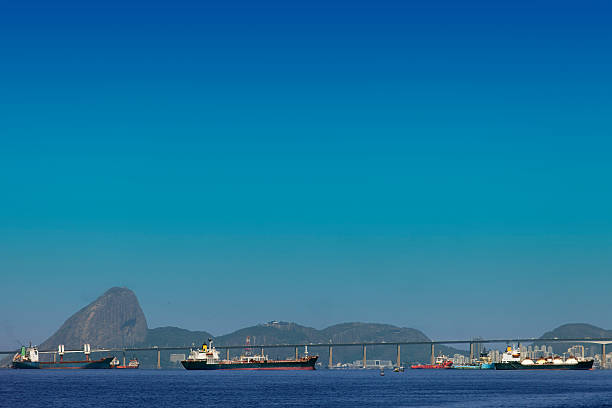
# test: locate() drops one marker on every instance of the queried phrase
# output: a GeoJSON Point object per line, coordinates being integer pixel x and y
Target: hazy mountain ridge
{"type": "Point", "coordinates": [170, 336]}
{"type": "Point", "coordinates": [293, 333]}
{"type": "Point", "coordinates": [277, 333]}
{"type": "Point", "coordinates": [355, 332]}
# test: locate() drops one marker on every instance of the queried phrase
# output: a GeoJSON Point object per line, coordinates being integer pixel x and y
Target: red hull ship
{"type": "Point", "coordinates": [441, 363]}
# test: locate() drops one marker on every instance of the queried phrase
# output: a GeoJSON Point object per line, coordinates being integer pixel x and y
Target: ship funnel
{"type": "Point", "coordinates": [60, 349]}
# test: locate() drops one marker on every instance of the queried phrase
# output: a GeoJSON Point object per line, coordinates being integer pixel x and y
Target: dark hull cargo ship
{"type": "Point", "coordinates": [306, 363]}
{"type": "Point", "coordinates": [207, 358]}
{"type": "Point", "coordinates": [512, 360]}
{"type": "Point", "coordinates": [28, 359]}
{"type": "Point", "coordinates": [515, 365]}
{"type": "Point", "coordinates": [85, 364]}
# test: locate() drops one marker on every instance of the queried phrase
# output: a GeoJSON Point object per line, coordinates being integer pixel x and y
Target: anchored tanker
{"type": "Point", "coordinates": [28, 358]}
{"type": "Point", "coordinates": [207, 358]}
{"type": "Point", "coordinates": [511, 360]}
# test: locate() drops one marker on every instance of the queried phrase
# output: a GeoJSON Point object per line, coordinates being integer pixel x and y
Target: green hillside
{"type": "Point", "coordinates": [293, 333]}
{"type": "Point", "coordinates": [576, 330]}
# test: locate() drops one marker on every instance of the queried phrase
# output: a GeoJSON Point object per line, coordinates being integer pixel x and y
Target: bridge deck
{"type": "Point", "coordinates": [605, 340]}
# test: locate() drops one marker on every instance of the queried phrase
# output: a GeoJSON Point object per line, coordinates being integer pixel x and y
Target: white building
{"type": "Point", "coordinates": [176, 358]}
{"type": "Point", "coordinates": [373, 364]}
{"type": "Point", "coordinates": [576, 351]}
{"type": "Point", "coordinates": [459, 359]}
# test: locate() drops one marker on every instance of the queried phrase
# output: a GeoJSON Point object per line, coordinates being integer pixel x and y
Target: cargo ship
{"type": "Point", "coordinates": [511, 360]}
{"type": "Point", "coordinates": [207, 358]}
{"type": "Point", "coordinates": [28, 358]}
{"type": "Point", "coordinates": [441, 362]}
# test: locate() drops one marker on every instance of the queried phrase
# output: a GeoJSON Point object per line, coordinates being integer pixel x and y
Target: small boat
{"type": "Point", "coordinates": [133, 363]}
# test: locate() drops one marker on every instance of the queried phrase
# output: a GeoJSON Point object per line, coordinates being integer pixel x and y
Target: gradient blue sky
{"type": "Point", "coordinates": [441, 165]}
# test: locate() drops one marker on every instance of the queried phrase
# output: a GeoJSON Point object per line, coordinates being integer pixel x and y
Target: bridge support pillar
{"type": "Point", "coordinates": [124, 360]}
{"type": "Point", "coordinates": [262, 351]}
{"type": "Point", "coordinates": [227, 354]}
{"type": "Point", "coordinates": [398, 356]}
{"type": "Point", "coordinates": [158, 359]}
{"type": "Point", "coordinates": [603, 356]}
{"type": "Point", "coordinates": [54, 357]}
{"type": "Point", "coordinates": [331, 360]}
{"type": "Point", "coordinates": [364, 356]}
{"type": "Point", "coordinates": [471, 352]}
{"type": "Point", "coordinates": [433, 355]}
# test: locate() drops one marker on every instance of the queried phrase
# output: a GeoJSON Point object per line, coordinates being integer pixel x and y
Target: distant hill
{"type": "Point", "coordinates": [293, 333]}
{"type": "Point", "coordinates": [174, 336]}
{"type": "Point", "coordinates": [115, 319]}
{"type": "Point", "coordinates": [574, 330]}
{"type": "Point", "coordinates": [355, 332]}
{"type": "Point", "coordinates": [373, 332]}
{"type": "Point", "coordinates": [273, 333]}
{"type": "Point", "coordinates": [287, 333]}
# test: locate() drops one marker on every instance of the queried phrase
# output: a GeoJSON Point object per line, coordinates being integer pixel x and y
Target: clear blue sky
{"type": "Point", "coordinates": [441, 165]}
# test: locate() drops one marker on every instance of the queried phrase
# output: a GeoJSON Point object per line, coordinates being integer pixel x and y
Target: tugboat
{"type": "Point", "coordinates": [442, 362]}
{"type": "Point", "coordinates": [134, 363]}
{"type": "Point", "coordinates": [511, 360]}
{"type": "Point", "coordinates": [28, 358]}
{"type": "Point", "coordinates": [207, 358]}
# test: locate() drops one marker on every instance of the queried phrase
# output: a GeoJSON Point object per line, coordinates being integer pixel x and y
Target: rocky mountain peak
{"type": "Point", "coordinates": [114, 319]}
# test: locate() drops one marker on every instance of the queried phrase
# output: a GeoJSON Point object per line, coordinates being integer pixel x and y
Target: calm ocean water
{"type": "Point", "coordinates": [321, 388]}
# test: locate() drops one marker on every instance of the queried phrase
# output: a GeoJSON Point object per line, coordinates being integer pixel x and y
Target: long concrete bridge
{"type": "Point", "coordinates": [364, 345]}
